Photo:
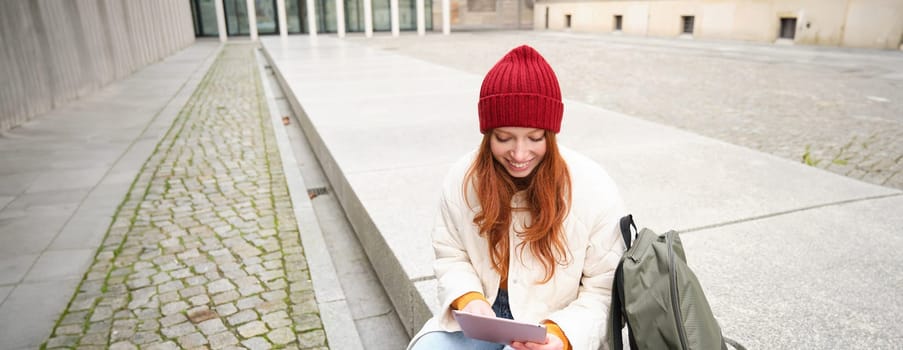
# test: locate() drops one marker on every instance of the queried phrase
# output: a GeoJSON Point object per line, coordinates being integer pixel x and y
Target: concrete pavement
{"type": "Point", "coordinates": [791, 256]}
{"type": "Point", "coordinates": [204, 248]}
{"type": "Point", "coordinates": [62, 176]}
{"type": "Point", "coordinates": [785, 251]}
{"type": "Point", "coordinates": [353, 281]}
{"type": "Point", "coordinates": [840, 109]}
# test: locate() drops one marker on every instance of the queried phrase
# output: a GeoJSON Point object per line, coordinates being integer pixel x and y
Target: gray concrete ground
{"type": "Point", "coordinates": [206, 248]}
{"type": "Point", "coordinates": [62, 176]}
{"type": "Point", "coordinates": [838, 109]}
{"type": "Point", "coordinates": [205, 251]}
{"type": "Point", "coordinates": [786, 251]}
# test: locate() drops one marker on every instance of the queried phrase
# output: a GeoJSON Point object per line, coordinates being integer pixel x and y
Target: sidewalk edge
{"type": "Point", "coordinates": [335, 314]}
{"type": "Point", "coordinates": [404, 293]}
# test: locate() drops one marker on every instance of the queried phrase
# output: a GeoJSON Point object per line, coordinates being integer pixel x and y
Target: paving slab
{"type": "Point", "coordinates": [387, 127]}
{"type": "Point", "coordinates": [4, 200]}
{"type": "Point", "coordinates": [85, 230]}
{"type": "Point", "coordinates": [31, 232]}
{"type": "Point", "coordinates": [14, 267]}
{"type": "Point", "coordinates": [4, 292]}
{"type": "Point", "coordinates": [56, 265]}
{"type": "Point", "coordinates": [42, 200]}
{"type": "Point", "coordinates": [28, 312]}
{"type": "Point", "coordinates": [12, 183]}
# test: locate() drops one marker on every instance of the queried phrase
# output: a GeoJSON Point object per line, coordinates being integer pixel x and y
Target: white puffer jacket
{"type": "Point", "coordinates": [577, 297]}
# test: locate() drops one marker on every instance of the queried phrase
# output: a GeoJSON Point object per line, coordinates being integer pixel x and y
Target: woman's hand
{"type": "Point", "coordinates": [552, 343]}
{"type": "Point", "coordinates": [479, 307]}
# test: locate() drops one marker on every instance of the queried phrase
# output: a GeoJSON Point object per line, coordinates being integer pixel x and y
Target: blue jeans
{"type": "Point", "coordinates": [457, 340]}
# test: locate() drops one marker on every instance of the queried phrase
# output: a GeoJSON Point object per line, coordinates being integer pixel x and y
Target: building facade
{"type": "Point", "coordinates": [491, 14]}
{"type": "Point", "coordinates": [325, 16]}
{"type": "Point", "coordinates": [849, 23]}
{"type": "Point", "coordinates": [54, 52]}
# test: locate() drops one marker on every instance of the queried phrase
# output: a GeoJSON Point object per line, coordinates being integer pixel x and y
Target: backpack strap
{"type": "Point", "coordinates": [618, 313]}
{"type": "Point", "coordinates": [617, 308]}
{"type": "Point", "coordinates": [617, 292]}
{"type": "Point", "coordinates": [626, 223]}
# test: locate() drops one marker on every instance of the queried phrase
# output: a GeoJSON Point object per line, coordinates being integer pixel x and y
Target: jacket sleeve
{"type": "Point", "coordinates": [453, 267]}
{"type": "Point", "coordinates": [584, 319]}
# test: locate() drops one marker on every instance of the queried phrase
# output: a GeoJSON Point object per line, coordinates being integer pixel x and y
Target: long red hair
{"type": "Point", "coordinates": [548, 201]}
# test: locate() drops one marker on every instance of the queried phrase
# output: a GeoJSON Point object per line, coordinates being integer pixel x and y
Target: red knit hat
{"type": "Point", "coordinates": [521, 90]}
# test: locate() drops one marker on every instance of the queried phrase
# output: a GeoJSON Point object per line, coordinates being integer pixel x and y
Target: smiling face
{"type": "Point", "coordinates": [518, 149]}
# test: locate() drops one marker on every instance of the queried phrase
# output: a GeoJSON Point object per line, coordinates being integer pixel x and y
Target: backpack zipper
{"type": "Point", "coordinates": [675, 303]}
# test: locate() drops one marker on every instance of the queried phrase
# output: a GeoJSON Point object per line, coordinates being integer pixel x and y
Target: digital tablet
{"type": "Point", "coordinates": [499, 330]}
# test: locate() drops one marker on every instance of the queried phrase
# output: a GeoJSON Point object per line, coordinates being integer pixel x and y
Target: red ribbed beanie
{"type": "Point", "coordinates": [521, 90]}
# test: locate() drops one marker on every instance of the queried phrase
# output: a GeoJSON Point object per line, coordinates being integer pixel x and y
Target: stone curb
{"type": "Point", "coordinates": [335, 314]}
{"type": "Point", "coordinates": [406, 294]}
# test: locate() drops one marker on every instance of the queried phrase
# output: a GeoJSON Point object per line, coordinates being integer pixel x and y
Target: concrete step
{"type": "Point", "coordinates": [386, 128]}
{"type": "Point", "coordinates": [363, 300]}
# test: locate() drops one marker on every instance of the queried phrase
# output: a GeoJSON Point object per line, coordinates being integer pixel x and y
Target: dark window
{"type": "Point", "coordinates": [547, 17]}
{"type": "Point", "coordinates": [296, 16]}
{"type": "Point", "coordinates": [194, 17]}
{"type": "Point", "coordinates": [567, 21]}
{"type": "Point", "coordinates": [326, 20]}
{"type": "Point", "coordinates": [687, 24]}
{"type": "Point", "coordinates": [618, 22]}
{"type": "Point", "coordinates": [788, 28]}
{"type": "Point", "coordinates": [382, 15]}
{"type": "Point", "coordinates": [407, 14]}
{"type": "Point", "coordinates": [354, 15]}
{"type": "Point", "coordinates": [267, 23]}
{"type": "Point", "coordinates": [204, 14]}
{"type": "Point", "coordinates": [236, 17]}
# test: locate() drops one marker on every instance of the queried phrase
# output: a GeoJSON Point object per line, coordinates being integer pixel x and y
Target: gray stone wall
{"type": "Point", "coordinates": [53, 52]}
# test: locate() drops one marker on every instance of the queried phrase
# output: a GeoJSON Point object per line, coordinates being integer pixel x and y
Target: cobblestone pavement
{"type": "Point", "coordinates": [838, 109]}
{"type": "Point", "coordinates": [204, 253]}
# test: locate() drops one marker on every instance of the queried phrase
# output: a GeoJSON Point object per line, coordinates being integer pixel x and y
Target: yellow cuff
{"type": "Point", "coordinates": [553, 328]}
{"type": "Point", "coordinates": [463, 300]}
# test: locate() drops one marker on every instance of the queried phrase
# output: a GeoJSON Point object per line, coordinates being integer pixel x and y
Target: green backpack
{"type": "Point", "coordinates": [659, 298]}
